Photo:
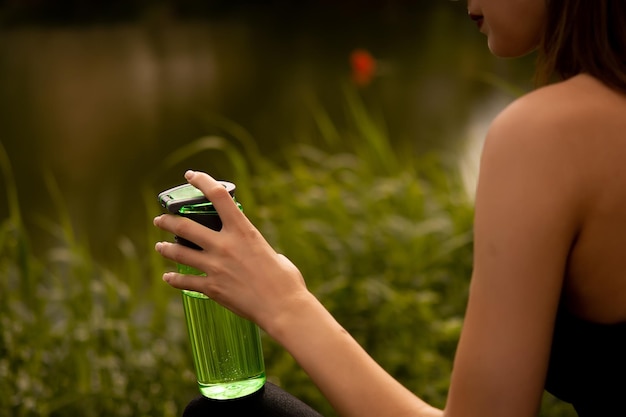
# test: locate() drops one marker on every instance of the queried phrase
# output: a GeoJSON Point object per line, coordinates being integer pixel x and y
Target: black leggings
{"type": "Point", "coordinates": [269, 401]}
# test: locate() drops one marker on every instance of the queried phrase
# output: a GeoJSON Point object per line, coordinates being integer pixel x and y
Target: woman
{"type": "Point", "coordinates": [547, 305]}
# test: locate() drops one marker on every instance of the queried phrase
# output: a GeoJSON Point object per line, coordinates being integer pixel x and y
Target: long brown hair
{"type": "Point", "coordinates": [584, 36]}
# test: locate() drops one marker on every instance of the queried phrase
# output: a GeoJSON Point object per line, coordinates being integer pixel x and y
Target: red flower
{"type": "Point", "coordinates": [363, 67]}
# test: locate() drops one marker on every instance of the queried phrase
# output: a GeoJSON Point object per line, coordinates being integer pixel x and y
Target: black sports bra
{"type": "Point", "coordinates": [588, 365]}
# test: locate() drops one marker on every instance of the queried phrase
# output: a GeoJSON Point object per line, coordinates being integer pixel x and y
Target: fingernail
{"type": "Point", "coordinates": [167, 277]}
{"type": "Point", "coordinates": [158, 246]}
{"type": "Point", "coordinates": [189, 174]}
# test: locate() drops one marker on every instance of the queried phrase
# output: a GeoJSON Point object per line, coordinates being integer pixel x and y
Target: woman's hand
{"type": "Point", "coordinates": [243, 272]}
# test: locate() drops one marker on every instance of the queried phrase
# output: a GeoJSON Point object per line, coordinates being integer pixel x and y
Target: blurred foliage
{"type": "Point", "coordinates": [383, 241]}
{"type": "Point", "coordinates": [383, 238]}
{"type": "Point", "coordinates": [77, 339]}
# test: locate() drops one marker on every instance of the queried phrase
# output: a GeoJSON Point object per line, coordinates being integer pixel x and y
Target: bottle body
{"type": "Point", "coordinates": [226, 348]}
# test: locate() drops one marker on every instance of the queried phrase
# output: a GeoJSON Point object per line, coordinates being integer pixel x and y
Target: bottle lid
{"type": "Point", "coordinates": [186, 195]}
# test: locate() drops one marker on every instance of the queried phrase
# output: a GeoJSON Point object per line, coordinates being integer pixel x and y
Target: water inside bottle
{"type": "Point", "coordinates": [226, 349]}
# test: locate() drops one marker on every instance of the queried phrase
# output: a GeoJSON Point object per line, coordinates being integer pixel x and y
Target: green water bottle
{"type": "Point", "coordinates": [226, 348]}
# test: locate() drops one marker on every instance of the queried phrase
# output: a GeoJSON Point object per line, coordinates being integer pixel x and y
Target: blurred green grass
{"type": "Point", "coordinates": [383, 238]}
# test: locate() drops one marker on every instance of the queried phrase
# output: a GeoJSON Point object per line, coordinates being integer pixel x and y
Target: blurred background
{"type": "Point", "coordinates": [307, 106]}
{"type": "Point", "coordinates": [98, 93]}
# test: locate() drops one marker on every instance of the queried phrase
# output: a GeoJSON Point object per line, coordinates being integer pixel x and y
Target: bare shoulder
{"type": "Point", "coordinates": [565, 111]}
{"type": "Point", "coordinates": [553, 144]}
{"type": "Point", "coordinates": [560, 141]}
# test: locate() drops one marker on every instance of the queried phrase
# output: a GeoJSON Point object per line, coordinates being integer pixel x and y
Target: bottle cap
{"type": "Point", "coordinates": [185, 197]}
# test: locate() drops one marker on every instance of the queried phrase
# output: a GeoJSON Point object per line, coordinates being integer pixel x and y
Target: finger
{"type": "Point", "coordinates": [185, 228]}
{"type": "Point", "coordinates": [180, 254]}
{"type": "Point", "coordinates": [185, 282]}
{"type": "Point", "coordinates": [217, 194]}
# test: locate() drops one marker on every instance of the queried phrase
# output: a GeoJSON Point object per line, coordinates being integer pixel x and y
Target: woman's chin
{"type": "Point", "coordinates": [507, 50]}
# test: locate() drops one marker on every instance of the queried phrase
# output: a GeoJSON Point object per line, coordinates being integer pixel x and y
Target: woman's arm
{"type": "Point", "coordinates": [526, 219]}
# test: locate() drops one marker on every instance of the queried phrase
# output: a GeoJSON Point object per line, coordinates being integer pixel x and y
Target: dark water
{"type": "Point", "coordinates": [99, 106]}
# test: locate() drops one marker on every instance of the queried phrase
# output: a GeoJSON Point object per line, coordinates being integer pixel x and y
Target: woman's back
{"type": "Point", "coordinates": [548, 212]}
{"type": "Point", "coordinates": [588, 149]}
{"type": "Point", "coordinates": [595, 282]}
